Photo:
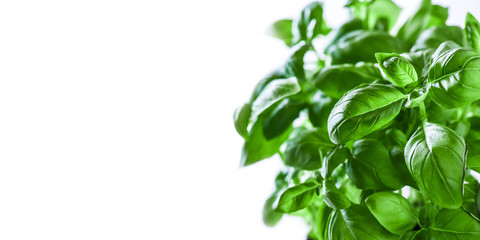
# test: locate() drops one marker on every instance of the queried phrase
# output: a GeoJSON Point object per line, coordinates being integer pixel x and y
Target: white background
{"type": "Point", "coordinates": [116, 117]}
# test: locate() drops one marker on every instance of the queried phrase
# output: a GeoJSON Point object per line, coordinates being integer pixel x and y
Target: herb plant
{"type": "Point", "coordinates": [379, 129]}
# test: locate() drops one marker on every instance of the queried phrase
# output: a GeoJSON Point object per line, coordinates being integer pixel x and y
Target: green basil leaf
{"type": "Point", "coordinates": [257, 147]}
{"type": "Point", "coordinates": [363, 110]}
{"type": "Point", "coordinates": [435, 156]}
{"type": "Point", "coordinates": [395, 137]}
{"type": "Point", "coordinates": [282, 117]}
{"type": "Point", "coordinates": [333, 197]}
{"type": "Point", "coordinates": [371, 168]}
{"type": "Point", "coordinates": [277, 74]}
{"type": "Point", "coordinates": [379, 10]}
{"type": "Point", "coordinates": [426, 16]}
{"type": "Point", "coordinates": [282, 29]}
{"type": "Point", "coordinates": [470, 187]}
{"type": "Point", "coordinates": [334, 158]}
{"type": "Point", "coordinates": [362, 45]}
{"type": "Point", "coordinates": [310, 24]}
{"type": "Point", "coordinates": [373, 12]}
{"type": "Point", "coordinates": [473, 162]}
{"type": "Point", "coordinates": [433, 37]}
{"type": "Point", "coordinates": [337, 34]}
{"type": "Point", "coordinates": [444, 47]}
{"type": "Point", "coordinates": [306, 148]}
{"type": "Point", "coordinates": [398, 70]}
{"type": "Point", "coordinates": [351, 191]}
{"type": "Point", "coordinates": [438, 114]}
{"type": "Point", "coordinates": [270, 216]}
{"type": "Point", "coordinates": [462, 127]}
{"type": "Point", "coordinates": [472, 29]}
{"type": "Point", "coordinates": [420, 60]}
{"type": "Point", "coordinates": [454, 78]}
{"type": "Point", "coordinates": [446, 224]}
{"type": "Point", "coordinates": [294, 67]}
{"type": "Point", "coordinates": [241, 118]}
{"type": "Point", "coordinates": [356, 223]}
{"type": "Point", "coordinates": [320, 107]}
{"type": "Point", "coordinates": [398, 162]}
{"type": "Point", "coordinates": [319, 221]}
{"type": "Point", "coordinates": [394, 212]}
{"type": "Point", "coordinates": [416, 98]}
{"type": "Point", "coordinates": [273, 92]}
{"type": "Point", "coordinates": [427, 214]}
{"type": "Point", "coordinates": [297, 197]}
{"type": "Point", "coordinates": [336, 80]}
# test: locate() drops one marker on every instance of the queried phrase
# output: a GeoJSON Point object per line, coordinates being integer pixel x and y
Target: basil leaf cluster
{"type": "Point", "coordinates": [379, 134]}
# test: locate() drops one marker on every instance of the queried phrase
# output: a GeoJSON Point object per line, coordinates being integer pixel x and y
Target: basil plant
{"type": "Point", "coordinates": [379, 132]}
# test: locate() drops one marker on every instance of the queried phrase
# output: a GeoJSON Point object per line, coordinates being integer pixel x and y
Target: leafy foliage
{"type": "Point", "coordinates": [380, 134]}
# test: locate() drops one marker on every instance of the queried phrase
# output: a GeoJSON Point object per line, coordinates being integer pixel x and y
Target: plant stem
{"type": "Point", "coordinates": [423, 112]}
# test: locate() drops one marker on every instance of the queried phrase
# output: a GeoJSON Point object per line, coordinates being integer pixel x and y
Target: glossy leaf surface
{"type": "Point", "coordinates": [435, 156]}
{"type": "Point", "coordinates": [305, 150]}
{"type": "Point", "coordinates": [393, 211]}
{"type": "Point", "coordinates": [297, 197]}
{"type": "Point", "coordinates": [454, 78]}
{"type": "Point", "coordinates": [364, 110]}
{"type": "Point", "coordinates": [399, 70]}
{"type": "Point", "coordinates": [356, 223]}
{"type": "Point", "coordinates": [371, 168]}
{"type": "Point", "coordinates": [336, 80]}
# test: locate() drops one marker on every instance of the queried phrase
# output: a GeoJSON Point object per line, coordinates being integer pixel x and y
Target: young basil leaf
{"type": "Point", "coordinates": [351, 25]}
{"type": "Point", "coordinates": [371, 168]}
{"type": "Point", "coordinates": [472, 29]}
{"type": "Point", "coordinates": [336, 80]}
{"type": "Point", "coordinates": [416, 98]}
{"type": "Point", "coordinates": [427, 15]}
{"type": "Point", "coordinates": [241, 118]}
{"type": "Point", "coordinates": [306, 148]}
{"type": "Point", "coordinates": [282, 29]}
{"type": "Point", "coordinates": [454, 78]}
{"type": "Point", "coordinates": [273, 92]}
{"type": "Point", "coordinates": [356, 223]}
{"type": "Point", "coordinates": [334, 158]}
{"type": "Point", "coordinates": [435, 156]}
{"type": "Point", "coordinates": [394, 212]}
{"type": "Point", "coordinates": [294, 65]}
{"type": "Point", "coordinates": [363, 110]}
{"type": "Point", "coordinates": [320, 107]}
{"type": "Point", "coordinates": [333, 197]}
{"type": "Point", "coordinates": [270, 216]}
{"type": "Point", "coordinates": [433, 37]}
{"type": "Point", "coordinates": [282, 117]}
{"type": "Point", "coordinates": [446, 224]}
{"type": "Point", "coordinates": [298, 197]}
{"type": "Point", "coordinates": [362, 45]}
{"type": "Point", "coordinates": [398, 70]}
{"type": "Point", "coordinates": [310, 24]}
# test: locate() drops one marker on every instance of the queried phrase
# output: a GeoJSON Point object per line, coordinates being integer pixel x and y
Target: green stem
{"type": "Point", "coordinates": [423, 112]}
